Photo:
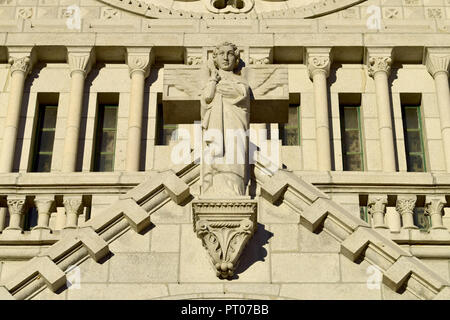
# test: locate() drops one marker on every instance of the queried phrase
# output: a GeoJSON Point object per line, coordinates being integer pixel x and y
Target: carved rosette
{"type": "Point", "coordinates": [22, 64]}
{"type": "Point", "coordinates": [379, 63]}
{"type": "Point", "coordinates": [194, 60]}
{"type": "Point", "coordinates": [319, 63]}
{"type": "Point", "coordinates": [377, 209]}
{"type": "Point", "coordinates": [224, 226]}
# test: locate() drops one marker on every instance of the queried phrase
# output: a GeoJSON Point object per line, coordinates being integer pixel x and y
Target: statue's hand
{"type": "Point", "coordinates": [215, 76]}
{"type": "Point", "coordinates": [228, 90]}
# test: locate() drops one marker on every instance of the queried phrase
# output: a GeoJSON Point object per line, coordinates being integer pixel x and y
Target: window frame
{"type": "Point", "coordinates": [282, 127]}
{"type": "Point", "coordinates": [420, 130]}
{"type": "Point", "coordinates": [99, 127]}
{"type": "Point", "coordinates": [343, 130]}
{"type": "Point", "coordinates": [42, 107]}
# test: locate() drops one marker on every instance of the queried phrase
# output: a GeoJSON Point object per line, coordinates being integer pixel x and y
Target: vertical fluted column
{"type": "Point", "coordinates": [437, 63]}
{"type": "Point", "coordinates": [379, 66]}
{"type": "Point", "coordinates": [434, 207]}
{"type": "Point", "coordinates": [17, 208]}
{"type": "Point", "coordinates": [319, 62]}
{"type": "Point", "coordinates": [43, 206]}
{"type": "Point", "coordinates": [74, 207]}
{"type": "Point", "coordinates": [377, 209]}
{"type": "Point", "coordinates": [80, 61]}
{"type": "Point", "coordinates": [405, 207]}
{"type": "Point", "coordinates": [20, 67]}
{"type": "Point", "coordinates": [138, 60]}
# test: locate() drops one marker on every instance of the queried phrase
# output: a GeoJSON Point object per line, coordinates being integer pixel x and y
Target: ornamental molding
{"type": "Point", "coordinates": [232, 9]}
{"type": "Point", "coordinates": [225, 227]}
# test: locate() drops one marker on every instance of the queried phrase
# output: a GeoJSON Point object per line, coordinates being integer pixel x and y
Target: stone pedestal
{"type": "Point", "coordinates": [224, 226]}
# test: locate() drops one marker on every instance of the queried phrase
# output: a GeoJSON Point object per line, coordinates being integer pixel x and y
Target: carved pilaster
{"type": "Point", "coordinates": [139, 60]}
{"type": "Point", "coordinates": [74, 207]}
{"type": "Point", "coordinates": [434, 206]}
{"type": "Point", "coordinates": [405, 207]}
{"type": "Point", "coordinates": [377, 209]}
{"type": "Point", "coordinates": [80, 60]}
{"type": "Point", "coordinates": [224, 226]}
{"type": "Point", "coordinates": [437, 62]}
{"type": "Point", "coordinates": [17, 208]}
{"type": "Point", "coordinates": [43, 206]}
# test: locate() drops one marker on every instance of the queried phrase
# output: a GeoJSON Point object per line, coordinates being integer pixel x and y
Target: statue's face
{"type": "Point", "coordinates": [225, 59]}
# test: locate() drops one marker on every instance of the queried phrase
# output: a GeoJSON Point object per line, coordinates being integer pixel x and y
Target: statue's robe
{"type": "Point", "coordinates": [225, 160]}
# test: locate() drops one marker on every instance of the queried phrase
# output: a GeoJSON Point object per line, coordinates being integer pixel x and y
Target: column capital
{"type": "Point", "coordinates": [80, 59]}
{"type": "Point", "coordinates": [139, 59]}
{"type": "Point", "coordinates": [405, 204]}
{"type": "Point", "coordinates": [318, 61]}
{"type": "Point", "coordinates": [16, 205]}
{"type": "Point", "coordinates": [437, 60]}
{"type": "Point", "coordinates": [44, 204]}
{"type": "Point", "coordinates": [434, 204]}
{"type": "Point", "coordinates": [21, 59]}
{"type": "Point", "coordinates": [194, 56]}
{"type": "Point", "coordinates": [73, 205]}
{"type": "Point", "coordinates": [379, 60]}
{"type": "Point", "coordinates": [377, 200]}
{"type": "Point", "coordinates": [260, 55]}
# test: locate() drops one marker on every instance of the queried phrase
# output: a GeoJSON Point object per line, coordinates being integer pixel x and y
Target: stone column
{"type": "Point", "coordinates": [379, 66]}
{"type": "Point", "coordinates": [138, 60]}
{"type": "Point", "coordinates": [17, 209]}
{"type": "Point", "coordinates": [434, 207]}
{"type": "Point", "coordinates": [405, 207]}
{"type": "Point", "coordinates": [319, 62]}
{"type": "Point", "coordinates": [377, 209]}
{"type": "Point", "coordinates": [437, 62]}
{"type": "Point", "coordinates": [74, 207]}
{"type": "Point", "coordinates": [80, 61]}
{"type": "Point", "coordinates": [43, 206]}
{"type": "Point", "coordinates": [20, 67]}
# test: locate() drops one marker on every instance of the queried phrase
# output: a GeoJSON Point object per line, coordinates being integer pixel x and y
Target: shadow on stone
{"type": "Point", "coordinates": [254, 251]}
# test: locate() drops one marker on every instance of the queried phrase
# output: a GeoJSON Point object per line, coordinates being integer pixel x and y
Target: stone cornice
{"type": "Point", "coordinates": [312, 10]}
{"type": "Point", "coordinates": [437, 60]}
{"type": "Point", "coordinates": [139, 59]}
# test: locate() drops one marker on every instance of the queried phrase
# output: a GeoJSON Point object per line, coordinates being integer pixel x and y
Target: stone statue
{"type": "Point", "coordinates": [225, 114]}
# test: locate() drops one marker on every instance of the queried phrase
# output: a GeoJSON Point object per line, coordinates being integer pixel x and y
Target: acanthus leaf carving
{"type": "Point", "coordinates": [379, 64]}
{"type": "Point", "coordinates": [22, 64]}
{"type": "Point", "coordinates": [224, 228]}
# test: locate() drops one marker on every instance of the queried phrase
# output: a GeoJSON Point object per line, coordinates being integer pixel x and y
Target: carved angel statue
{"type": "Point", "coordinates": [226, 94]}
{"type": "Point", "coordinates": [225, 113]}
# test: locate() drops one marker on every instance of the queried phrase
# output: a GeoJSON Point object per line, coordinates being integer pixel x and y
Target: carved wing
{"type": "Point", "coordinates": [183, 81]}
{"type": "Point", "coordinates": [264, 79]}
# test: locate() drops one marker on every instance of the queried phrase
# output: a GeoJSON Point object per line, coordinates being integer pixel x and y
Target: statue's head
{"type": "Point", "coordinates": [226, 56]}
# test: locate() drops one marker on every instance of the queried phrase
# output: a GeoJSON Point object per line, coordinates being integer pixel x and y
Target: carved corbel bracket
{"type": "Point", "coordinates": [224, 226]}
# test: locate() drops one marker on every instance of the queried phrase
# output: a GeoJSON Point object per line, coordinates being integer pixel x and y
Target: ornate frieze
{"type": "Point", "coordinates": [224, 226]}
{"type": "Point", "coordinates": [377, 209]}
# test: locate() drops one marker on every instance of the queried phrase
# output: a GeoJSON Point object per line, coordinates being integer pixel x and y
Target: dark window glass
{"type": "Point", "coordinates": [352, 149]}
{"type": "Point", "coordinates": [363, 214]}
{"type": "Point", "coordinates": [45, 137]}
{"type": "Point", "coordinates": [165, 132]}
{"type": "Point", "coordinates": [420, 219]}
{"type": "Point", "coordinates": [290, 132]}
{"type": "Point", "coordinates": [105, 138]}
{"type": "Point", "coordinates": [415, 155]}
